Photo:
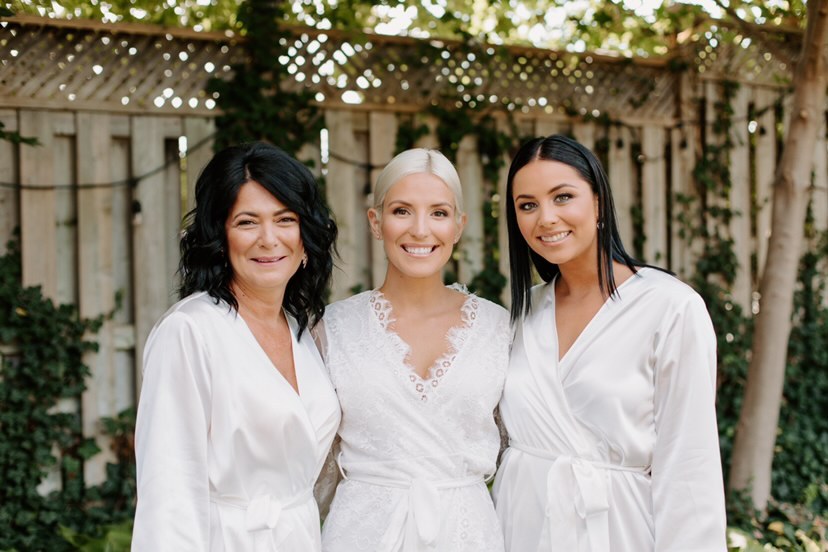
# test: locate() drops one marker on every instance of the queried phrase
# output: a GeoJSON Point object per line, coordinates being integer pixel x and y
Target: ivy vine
{"type": "Point", "coordinates": [256, 104]}
{"type": "Point", "coordinates": [42, 365]}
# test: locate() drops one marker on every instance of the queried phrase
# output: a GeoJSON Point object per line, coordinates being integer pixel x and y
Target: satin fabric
{"type": "Point", "coordinates": [615, 446]}
{"type": "Point", "coordinates": [227, 451]}
{"type": "Point", "coordinates": [415, 452]}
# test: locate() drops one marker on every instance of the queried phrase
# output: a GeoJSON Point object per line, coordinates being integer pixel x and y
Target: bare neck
{"type": "Point", "coordinates": [264, 305]}
{"type": "Point", "coordinates": [582, 280]}
{"type": "Point", "coordinates": [415, 293]}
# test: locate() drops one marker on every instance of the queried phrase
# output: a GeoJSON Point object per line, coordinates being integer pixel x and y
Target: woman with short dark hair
{"type": "Point", "coordinates": [609, 400]}
{"type": "Point", "coordinates": [236, 413]}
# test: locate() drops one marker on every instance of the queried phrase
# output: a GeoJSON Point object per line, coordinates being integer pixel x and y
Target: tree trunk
{"type": "Point", "coordinates": [758, 420]}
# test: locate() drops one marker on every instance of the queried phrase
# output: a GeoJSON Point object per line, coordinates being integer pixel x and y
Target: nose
{"type": "Point", "coordinates": [419, 226]}
{"type": "Point", "coordinates": [548, 215]}
{"type": "Point", "coordinates": [268, 235]}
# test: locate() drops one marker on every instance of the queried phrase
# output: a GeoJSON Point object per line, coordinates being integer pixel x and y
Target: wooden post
{"type": "Point", "coordinates": [9, 197]}
{"type": "Point", "coordinates": [740, 199]}
{"type": "Point", "coordinates": [683, 151]}
{"type": "Point", "coordinates": [38, 213]}
{"type": "Point", "coordinates": [765, 170]}
{"type": "Point", "coordinates": [341, 187]}
{"type": "Point", "coordinates": [199, 132]}
{"type": "Point", "coordinates": [502, 230]}
{"type": "Point", "coordinates": [96, 290]}
{"type": "Point", "coordinates": [620, 174]}
{"type": "Point", "coordinates": [382, 134]}
{"type": "Point", "coordinates": [653, 194]}
{"type": "Point", "coordinates": [151, 273]}
{"type": "Point", "coordinates": [471, 179]}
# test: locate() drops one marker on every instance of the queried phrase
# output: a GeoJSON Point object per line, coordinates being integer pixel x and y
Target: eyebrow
{"type": "Point", "coordinates": [433, 205]}
{"type": "Point", "coordinates": [255, 214]}
{"type": "Point", "coordinates": [552, 191]}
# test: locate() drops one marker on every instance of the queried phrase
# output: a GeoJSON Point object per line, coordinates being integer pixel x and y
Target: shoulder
{"type": "Point", "coordinates": [192, 313]}
{"type": "Point", "coordinates": [666, 288]}
{"type": "Point", "coordinates": [347, 307]}
{"type": "Point", "coordinates": [491, 309]}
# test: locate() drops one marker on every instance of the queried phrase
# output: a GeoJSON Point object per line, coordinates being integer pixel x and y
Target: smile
{"type": "Point", "coordinates": [420, 251]}
{"type": "Point", "coordinates": [267, 260]}
{"type": "Point", "coordinates": [555, 238]}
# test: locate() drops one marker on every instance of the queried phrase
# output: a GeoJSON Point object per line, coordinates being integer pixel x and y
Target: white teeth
{"type": "Point", "coordinates": [555, 237]}
{"type": "Point", "coordinates": [418, 250]}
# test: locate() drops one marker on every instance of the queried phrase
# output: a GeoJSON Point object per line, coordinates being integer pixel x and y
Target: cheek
{"type": "Point", "coordinates": [526, 225]}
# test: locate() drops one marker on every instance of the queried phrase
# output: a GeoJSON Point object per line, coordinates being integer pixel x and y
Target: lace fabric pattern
{"type": "Point", "coordinates": [397, 425]}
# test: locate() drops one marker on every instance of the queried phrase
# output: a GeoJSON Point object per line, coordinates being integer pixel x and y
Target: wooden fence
{"type": "Point", "coordinates": [124, 126]}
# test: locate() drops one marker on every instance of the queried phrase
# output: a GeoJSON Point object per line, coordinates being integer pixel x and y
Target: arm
{"type": "Point", "coordinates": [173, 508]}
{"type": "Point", "coordinates": [688, 493]}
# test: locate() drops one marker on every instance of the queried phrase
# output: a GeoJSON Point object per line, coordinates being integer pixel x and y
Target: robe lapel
{"type": "Point", "coordinates": [540, 343]}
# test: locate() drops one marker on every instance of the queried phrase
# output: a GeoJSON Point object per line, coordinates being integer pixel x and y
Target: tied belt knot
{"type": "Point", "coordinates": [415, 525]}
{"type": "Point", "coordinates": [585, 481]}
{"type": "Point", "coordinates": [262, 512]}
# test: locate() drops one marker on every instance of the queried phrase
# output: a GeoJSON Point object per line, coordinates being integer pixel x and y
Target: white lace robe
{"type": "Point", "coordinates": [227, 452]}
{"type": "Point", "coordinates": [415, 452]}
{"type": "Point", "coordinates": [614, 448]}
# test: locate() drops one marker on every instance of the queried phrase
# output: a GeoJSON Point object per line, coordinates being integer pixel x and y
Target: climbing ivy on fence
{"type": "Point", "coordinates": [41, 379]}
{"type": "Point", "coordinates": [255, 103]}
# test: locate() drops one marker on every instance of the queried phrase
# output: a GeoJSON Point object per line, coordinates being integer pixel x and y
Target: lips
{"type": "Point", "coordinates": [555, 238]}
{"type": "Point", "coordinates": [267, 260]}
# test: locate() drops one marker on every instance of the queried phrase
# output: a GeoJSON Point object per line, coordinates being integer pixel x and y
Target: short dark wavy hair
{"type": "Point", "coordinates": [204, 264]}
{"type": "Point", "coordinates": [569, 152]}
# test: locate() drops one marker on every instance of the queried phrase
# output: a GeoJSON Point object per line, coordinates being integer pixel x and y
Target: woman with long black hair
{"type": "Point", "coordinates": [609, 400]}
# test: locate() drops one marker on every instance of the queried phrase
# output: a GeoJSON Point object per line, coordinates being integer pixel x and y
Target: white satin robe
{"type": "Point", "coordinates": [614, 448]}
{"type": "Point", "coordinates": [415, 452]}
{"type": "Point", "coordinates": [227, 451]}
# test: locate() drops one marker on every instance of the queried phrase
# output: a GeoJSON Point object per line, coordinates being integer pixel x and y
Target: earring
{"type": "Point", "coordinates": [377, 236]}
{"type": "Point", "coordinates": [305, 260]}
{"type": "Point", "coordinates": [600, 225]}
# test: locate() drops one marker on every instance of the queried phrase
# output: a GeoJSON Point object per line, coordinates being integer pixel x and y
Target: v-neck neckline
{"type": "Point", "coordinates": [576, 343]}
{"type": "Point", "coordinates": [383, 315]}
{"type": "Point", "coordinates": [297, 391]}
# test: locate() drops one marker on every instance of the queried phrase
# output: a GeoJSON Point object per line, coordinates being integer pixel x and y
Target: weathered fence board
{"type": "Point", "coordinates": [741, 198]}
{"type": "Point", "coordinates": [9, 196]}
{"type": "Point", "coordinates": [381, 127]}
{"type": "Point", "coordinates": [38, 209]}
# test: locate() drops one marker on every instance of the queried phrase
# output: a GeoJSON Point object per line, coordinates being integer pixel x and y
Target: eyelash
{"type": "Point", "coordinates": [404, 211]}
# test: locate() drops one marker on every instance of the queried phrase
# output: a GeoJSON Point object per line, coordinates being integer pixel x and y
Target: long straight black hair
{"type": "Point", "coordinates": [564, 150]}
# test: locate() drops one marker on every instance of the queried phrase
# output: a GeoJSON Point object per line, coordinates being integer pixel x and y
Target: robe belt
{"type": "Point", "coordinates": [415, 525]}
{"type": "Point", "coordinates": [263, 511]}
{"type": "Point", "coordinates": [588, 480]}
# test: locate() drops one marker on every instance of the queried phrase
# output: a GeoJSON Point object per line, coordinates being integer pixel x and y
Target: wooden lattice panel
{"type": "Point", "coordinates": [54, 64]}
{"type": "Point", "coordinates": [135, 68]}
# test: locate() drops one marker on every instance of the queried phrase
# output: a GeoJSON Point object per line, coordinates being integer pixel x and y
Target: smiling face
{"type": "Point", "coordinates": [264, 244]}
{"type": "Point", "coordinates": [418, 224]}
{"type": "Point", "coordinates": [557, 212]}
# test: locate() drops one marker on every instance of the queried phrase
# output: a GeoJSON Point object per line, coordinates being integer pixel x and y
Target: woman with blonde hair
{"type": "Point", "coordinates": [418, 368]}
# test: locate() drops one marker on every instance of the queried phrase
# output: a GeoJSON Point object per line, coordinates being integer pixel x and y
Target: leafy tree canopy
{"type": "Point", "coordinates": [633, 27]}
